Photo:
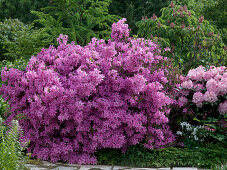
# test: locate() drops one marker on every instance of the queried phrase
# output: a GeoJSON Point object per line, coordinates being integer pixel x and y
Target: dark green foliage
{"type": "Point", "coordinates": [20, 9]}
{"type": "Point", "coordinates": [218, 15]}
{"type": "Point", "coordinates": [18, 40]}
{"type": "Point", "coordinates": [202, 156]}
{"type": "Point", "coordinates": [7, 32]}
{"type": "Point", "coordinates": [79, 19]}
{"type": "Point", "coordinates": [193, 41]}
{"type": "Point", "coordinates": [134, 10]}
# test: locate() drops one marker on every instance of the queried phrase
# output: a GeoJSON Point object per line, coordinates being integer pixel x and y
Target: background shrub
{"type": "Point", "coordinates": [193, 41]}
{"type": "Point", "coordinates": [213, 10]}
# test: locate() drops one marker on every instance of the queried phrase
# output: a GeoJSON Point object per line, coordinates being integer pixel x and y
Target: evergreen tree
{"type": "Point", "coordinates": [19, 40]}
{"type": "Point", "coordinates": [20, 9]}
{"type": "Point", "coordinates": [134, 10]}
{"type": "Point", "coordinates": [80, 19]}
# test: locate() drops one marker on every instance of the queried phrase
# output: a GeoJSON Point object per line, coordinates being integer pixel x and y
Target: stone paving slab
{"type": "Point", "coordinates": [96, 167]}
{"type": "Point", "coordinates": [65, 168]}
{"type": "Point", "coordinates": [142, 169]}
{"type": "Point", "coordinates": [119, 167]}
{"type": "Point", "coordinates": [184, 168]}
{"type": "Point", "coordinates": [48, 164]}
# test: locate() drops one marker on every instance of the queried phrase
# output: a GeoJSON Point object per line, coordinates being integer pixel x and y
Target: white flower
{"type": "Point", "coordinates": [179, 133]}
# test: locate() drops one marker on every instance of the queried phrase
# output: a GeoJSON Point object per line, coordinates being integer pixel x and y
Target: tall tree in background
{"type": "Point", "coordinates": [20, 9]}
{"type": "Point", "coordinates": [80, 19]}
{"type": "Point", "coordinates": [134, 10]}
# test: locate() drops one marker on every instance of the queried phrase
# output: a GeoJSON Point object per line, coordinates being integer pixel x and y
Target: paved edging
{"type": "Point", "coordinates": [44, 165]}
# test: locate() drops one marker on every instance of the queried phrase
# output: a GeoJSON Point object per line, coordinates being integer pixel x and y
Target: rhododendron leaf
{"type": "Point", "coordinates": [196, 119]}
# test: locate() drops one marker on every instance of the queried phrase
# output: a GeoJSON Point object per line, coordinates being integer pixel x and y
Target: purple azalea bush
{"type": "Point", "coordinates": [78, 100]}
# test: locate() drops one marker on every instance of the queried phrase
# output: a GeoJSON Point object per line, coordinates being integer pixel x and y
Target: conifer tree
{"type": "Point", "coordinates": [134, 10]}
{"type": "Point", "coordinates": [20, 9]}
{"type": "Point", "coordinates": [80, 19]}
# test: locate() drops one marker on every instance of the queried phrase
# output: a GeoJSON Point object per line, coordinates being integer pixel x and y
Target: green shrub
{"type": "Point", "coordinates": [213, 10]}
{"type": "Point", "coordinates": [193, 41]}
{"type": "Point", "coordinates": [18, 40]}
{"type": "Point", "coordinates": [203, 156]}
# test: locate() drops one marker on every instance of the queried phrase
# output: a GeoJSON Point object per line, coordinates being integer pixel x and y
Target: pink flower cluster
{"type": "Point", "coordinates": [78, 100]}
{"type": "Point", "coordinates": [208, 86]}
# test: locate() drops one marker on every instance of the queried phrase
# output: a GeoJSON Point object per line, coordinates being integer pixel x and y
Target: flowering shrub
{"type": "Point", "coordinates": [202, 96]}
{"type": "Point", "coordinates": [81, 99]}
{"type": "Point", "coordinates": [193, 41]}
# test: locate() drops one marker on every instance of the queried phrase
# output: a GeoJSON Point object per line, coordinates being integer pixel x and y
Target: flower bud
{"type": "Point", "coordinates": [172, 4]}
{"type": "Point", "coordinates": [159, 24]}
{"type": "Point", "coordinates": [201, 19]}
{"type": "Point", "coordinates": [180, 9]}
{"type": "Point", "coordinates": [189, 13]}
{"type": "Point", "coordinates": [185, 8]}
{"type": "Point", "coordinates": [154, 17]}
{"type": "Point", "coordinates": [211, 34]}
{"type": "Point", "coordinates": [181, 14]}
{"type": "Point", "coordinates": [172, 25]}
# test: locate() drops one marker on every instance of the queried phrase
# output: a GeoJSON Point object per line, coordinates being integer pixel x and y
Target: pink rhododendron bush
{"type": "Point", "coordinates": [78, 100]}
{"type": "Point", "coordinates": [202, 98]}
